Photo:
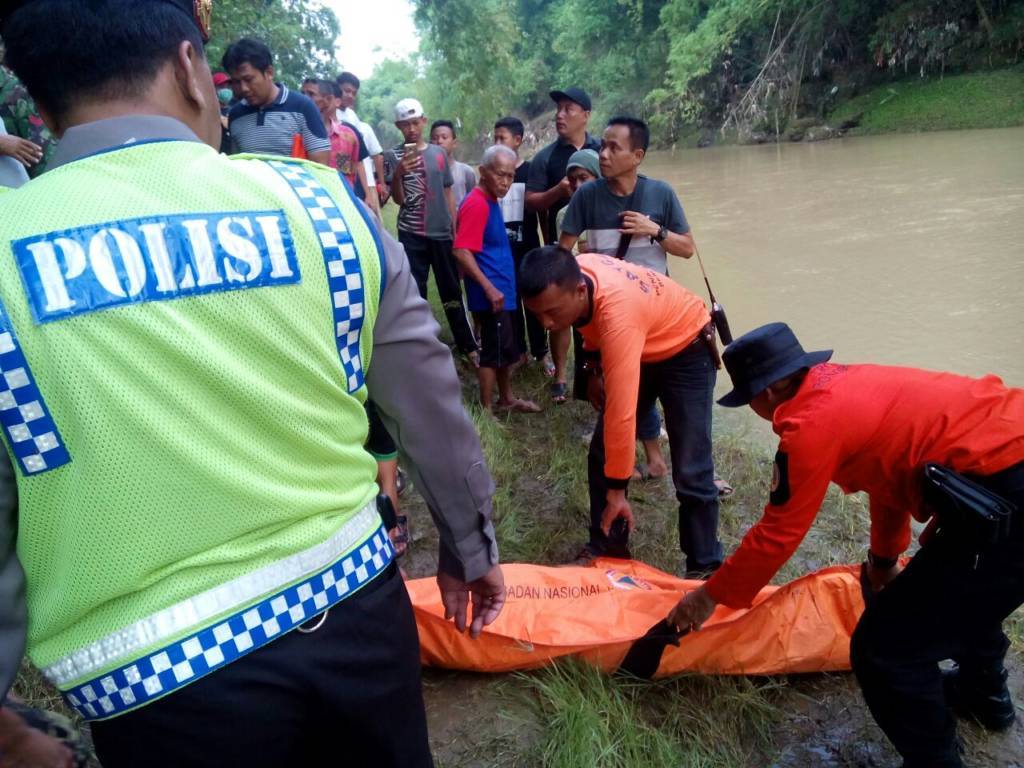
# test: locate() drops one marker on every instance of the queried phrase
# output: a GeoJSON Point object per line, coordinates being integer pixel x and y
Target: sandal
{"type": "Point", "coordinates": [519, 406]}
{"type": "Point", "coordinates": [559, 392]}
{"type": "Point", "coordinates": [645, 473]}
{"type": "Point", "coordinates": [548, 365]}
{"type": "Point", "coordinates": [724, 489]}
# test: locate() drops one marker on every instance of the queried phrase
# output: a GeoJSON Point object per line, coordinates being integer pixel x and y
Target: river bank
{"type": "Point", "coordinates": [981, 99]}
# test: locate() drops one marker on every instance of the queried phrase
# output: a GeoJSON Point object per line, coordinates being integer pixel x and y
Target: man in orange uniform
{"type": "Point", "coordinates": [649, 333]}
{"type": "Point", "coordinates": [874, 428]}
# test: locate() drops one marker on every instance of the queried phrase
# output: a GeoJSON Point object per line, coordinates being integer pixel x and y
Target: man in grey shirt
{"type": "Point", "coordinates": [623, 208]}
{"type": "Point", "coordinates": [421, 182]}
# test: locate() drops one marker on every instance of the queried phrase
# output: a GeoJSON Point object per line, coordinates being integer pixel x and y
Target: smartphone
{"type": "Point", "coordinates": [412, 149]}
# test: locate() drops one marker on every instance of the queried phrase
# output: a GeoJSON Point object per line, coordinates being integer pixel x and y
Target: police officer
{"type": "Point", "coordinates": [874, 428]}
{"type": "Point", "coordinates": [187, 342]}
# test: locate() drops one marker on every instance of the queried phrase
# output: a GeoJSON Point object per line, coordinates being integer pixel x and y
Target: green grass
{"type": "Point", "coordinates": [991, 99]}
{"type": "Point", "coordinates": [596, 721]}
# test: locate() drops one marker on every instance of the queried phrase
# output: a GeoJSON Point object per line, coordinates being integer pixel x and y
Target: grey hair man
{"type": "Point", "coordinates": [485, 256]}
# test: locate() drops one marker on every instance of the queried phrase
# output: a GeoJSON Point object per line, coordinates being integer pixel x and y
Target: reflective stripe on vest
{"type": "Point", "coordinates": [186, 660]}
{"type": "Point", "coordinates": [28, 425]}
{"type": "Point", "coordinates": [125, 644]}
{"type": "Point", "coordinates": [344, 273]}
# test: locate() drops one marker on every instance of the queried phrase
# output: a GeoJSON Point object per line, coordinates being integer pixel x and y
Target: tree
{"type": "Point", "coordinates": [300, 33]}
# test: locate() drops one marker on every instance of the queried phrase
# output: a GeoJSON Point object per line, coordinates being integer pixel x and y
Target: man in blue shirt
{"type": "Point", "coordinates": [271, 115]}
{"type": "Point", "coordinates": [485, 255]}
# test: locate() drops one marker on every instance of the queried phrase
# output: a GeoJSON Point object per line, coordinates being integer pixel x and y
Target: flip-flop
{"type": "Point", "coordinates": [549, 366]}
{"type": "Point", "coordinates": [645, 473]}
{"type": "Point", "coordinates": [519, 406]}
{"type": "Point", "coordinates": [559, 392]}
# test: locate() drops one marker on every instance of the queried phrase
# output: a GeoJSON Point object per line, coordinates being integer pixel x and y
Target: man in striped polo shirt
{"type": "Point", "coordinates": [270, 115]}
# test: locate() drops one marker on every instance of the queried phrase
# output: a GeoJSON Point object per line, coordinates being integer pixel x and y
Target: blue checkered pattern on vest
{"type": "Point", "coordinates": [26, 420]}
{"type": "Point", "coordinates": [160, 672]}
{"type": "Point", "coordinates": [344, 273]}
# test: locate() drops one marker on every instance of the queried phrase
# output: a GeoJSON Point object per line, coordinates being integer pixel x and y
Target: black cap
{"type": "Point", "coordinates": [762, 357]}
{"type": "Point", "coordinates": [577, 95]}
{"type": "Point", "coordinates": [200, 11]}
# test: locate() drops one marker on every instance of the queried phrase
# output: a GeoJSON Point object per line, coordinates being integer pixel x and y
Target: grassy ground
{"type": "Point", "coordinates": [990, 99]}
{"type": "Point", "coordinates": [571, 716]}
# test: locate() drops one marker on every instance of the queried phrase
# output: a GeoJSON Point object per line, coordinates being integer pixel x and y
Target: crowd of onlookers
{"type": "Point", "coordinates": [473, 230]}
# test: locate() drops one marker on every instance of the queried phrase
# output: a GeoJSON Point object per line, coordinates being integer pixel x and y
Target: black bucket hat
{"type": "Point", "coordinates": [764, 356]}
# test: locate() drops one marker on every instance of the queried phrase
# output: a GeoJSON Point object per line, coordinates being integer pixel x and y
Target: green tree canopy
{"type": "Point", "coordinates": [684, 63]}
{"type": "Point", "coordinates": [300, 33]}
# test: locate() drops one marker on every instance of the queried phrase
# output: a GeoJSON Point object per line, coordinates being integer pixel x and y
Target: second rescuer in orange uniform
{"type": "Point", "coordinates": [874, 428]}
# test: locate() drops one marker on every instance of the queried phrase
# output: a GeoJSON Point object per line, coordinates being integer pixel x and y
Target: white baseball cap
{"type": "Point", "coordinates": [408, 109]}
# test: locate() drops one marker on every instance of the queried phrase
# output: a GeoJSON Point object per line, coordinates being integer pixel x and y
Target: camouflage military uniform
{"type": "Point", "coordinates": [18, 112]}
{"type": "Point", "coordinates": [56, 726]}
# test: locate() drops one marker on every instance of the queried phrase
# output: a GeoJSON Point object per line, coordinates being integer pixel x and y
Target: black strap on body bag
{"type": "Point", "coordinates": [644, 656]}
{"type": "Point", "coordinates": [967, 509]}
{"type": "Point", "coordinates": [626, 239]}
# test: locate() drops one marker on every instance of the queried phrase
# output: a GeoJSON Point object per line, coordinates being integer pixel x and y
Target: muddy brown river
{"type": "Point", "coordinates": [903, 249]}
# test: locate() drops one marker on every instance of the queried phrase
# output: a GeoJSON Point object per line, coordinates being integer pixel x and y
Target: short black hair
{"type": "Point", "coordinates": [444, 124]}
{"type": "Point", "coordinates": [548, 265]}
{"type": "Point", "coordinates": [329, 86]}
{"type": "Point", "coordinates": [249, 51]}
{"type": "Point", "coordinates": [348, 77]}
{"type": "Point", "coordinates": [639, 133]}
{"type": "Point", "coordinates": [67, 51]}
{"type": "Point", "coordinates": [513, 124]}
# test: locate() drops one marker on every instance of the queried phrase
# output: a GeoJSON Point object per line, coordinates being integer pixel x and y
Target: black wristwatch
{"type": "Point", "coordinates": [882, 563]}
{"type": "Point", "coordinates": [662, 234]}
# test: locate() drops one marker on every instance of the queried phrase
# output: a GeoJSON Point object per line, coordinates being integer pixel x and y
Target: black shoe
{"type": "Point", "coordinates": [701, 574]}
{"type": "Point", "coordinates": [586, 556]}
{"type": "Point", "coordinates": [983, 697]}
{"type": "Point", "coordinates": [589, 553]}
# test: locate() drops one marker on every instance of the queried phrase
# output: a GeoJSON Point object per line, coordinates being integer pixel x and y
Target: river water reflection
{"type": "Point", "coordinates": [904, 249]}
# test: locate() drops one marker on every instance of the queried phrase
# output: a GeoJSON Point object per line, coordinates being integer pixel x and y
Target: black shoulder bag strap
{"type": "Point", "coordinates": [636, 198]}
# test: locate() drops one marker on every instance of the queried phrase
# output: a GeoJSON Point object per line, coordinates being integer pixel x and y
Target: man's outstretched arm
{"type": "Point", "coordinates": [412, 380]}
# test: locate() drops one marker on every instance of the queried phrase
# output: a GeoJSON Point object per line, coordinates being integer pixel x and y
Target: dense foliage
{"type": "Point", "coordinates": [301, 33]}
{"type": "Point", "coordinates": [754, 65]}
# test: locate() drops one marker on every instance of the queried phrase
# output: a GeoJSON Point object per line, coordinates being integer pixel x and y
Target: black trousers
{"type": "Point", "coordinates": [527, 326]}
{"type": "Point", "coordinates": [685, 386]}
{"type": "Point", "coordinates": [350, 689]}
{"type": "Point", "coordinates": [424, 254]}
{"type": "Point", "coordinates": [940, 607]}
{"type": "Point", "coordinates": [379, 442]}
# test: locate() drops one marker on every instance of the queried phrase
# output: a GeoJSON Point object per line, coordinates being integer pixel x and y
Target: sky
{"type": "Point", "coordinates": [373, 30]}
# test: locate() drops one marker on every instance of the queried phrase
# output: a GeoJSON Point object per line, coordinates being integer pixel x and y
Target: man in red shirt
{"type": "Point", "coordinates": [874, 428]}
{"type": "Point", "coordinates": [650, 335]}
{"type": "Point", "coordinates": [484, 254]}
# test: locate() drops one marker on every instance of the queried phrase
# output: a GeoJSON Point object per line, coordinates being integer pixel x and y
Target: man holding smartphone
{"type": "Point", "coordinates": [421, 184]}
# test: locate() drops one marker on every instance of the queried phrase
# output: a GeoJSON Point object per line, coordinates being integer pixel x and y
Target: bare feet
{"type": "Point", "coordinates": [519, 406]}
